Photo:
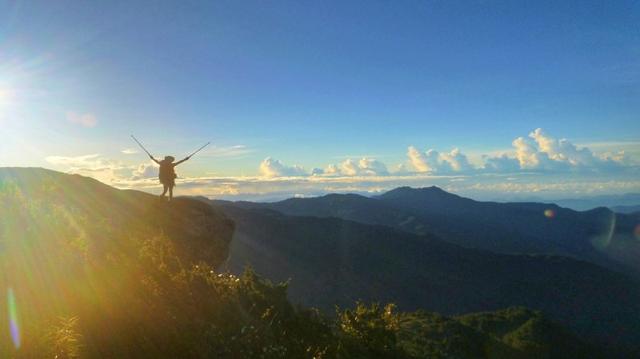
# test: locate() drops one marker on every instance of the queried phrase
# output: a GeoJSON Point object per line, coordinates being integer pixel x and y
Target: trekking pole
{"type": "Point", "coordinates": [141, 146]}
{"type": "Point", "coordinates": [200, 149]}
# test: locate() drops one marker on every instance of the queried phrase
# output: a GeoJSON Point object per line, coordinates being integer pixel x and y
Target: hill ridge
{"type": "Point", "coordinates": [518, 227]}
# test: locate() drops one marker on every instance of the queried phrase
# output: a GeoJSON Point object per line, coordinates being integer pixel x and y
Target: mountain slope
{"type": "Point", "coordinates": [78, 256]}
{"type": "Point", "coordinates": [597, 235]}
{"type": "Point", "coordinates": [332, 261]}
{"type": "Point", "coordinates": [200, 231]}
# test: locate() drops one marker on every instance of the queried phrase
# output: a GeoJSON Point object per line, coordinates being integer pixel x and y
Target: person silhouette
{"type": "Point", "coordinates": [167, 175]}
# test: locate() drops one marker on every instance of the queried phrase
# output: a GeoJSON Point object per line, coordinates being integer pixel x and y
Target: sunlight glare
{"type": "Point", "coordinates": [14, 327]}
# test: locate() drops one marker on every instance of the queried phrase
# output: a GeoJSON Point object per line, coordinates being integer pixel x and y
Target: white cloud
{"type": "Point", "coordinates": [130, 151]}
{"type": "Point", "coordinates": [401, 170]}
{"type": "Point", "coordinates": [456, 160]}
{"type": "Point", "coordinates": [434, 162]}
{"type": "Point", "coordinates": [537, 152]}
{"type": "Point", "coordinates": [82, 119]}
{"type": "Point", "coordinates": [271, 167]}
{"type": "Point", "coordinates": [502, 163]}
{"type": "Point", "coordinates": [543, 152]}
{"type": "Point", "coordinates": [332, 170]}
{"type": "Point", "coordinates": [93, 165]}
{"type": "Point", "coordinates": [372, 167]}
{"type": "Point", "coordinates": [350, 167]}
{"type": "Point", "coordinates": [145, 170]}
{"type": "Point", "coordinates": [423, 162]}
{"type": "Point", "coordinates": [620, 157]}
{"type": "Point", "coordinates": [528, 155]}
{"type": "Point", "coordinates": [106, 170]}
{"type": "Point", "coordinates": [562, 150]}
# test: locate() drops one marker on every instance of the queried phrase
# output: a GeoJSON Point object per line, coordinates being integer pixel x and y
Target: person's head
{"type": "Point", "coordinates": [169, 158]}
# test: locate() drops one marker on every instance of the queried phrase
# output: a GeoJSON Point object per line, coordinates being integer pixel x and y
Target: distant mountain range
{"type": "Point", "coordinates": [599, 235]}
{"type": "Point", "coordinates": [627, 209]}
{"type": "Point", "coordinates": [611, 201]}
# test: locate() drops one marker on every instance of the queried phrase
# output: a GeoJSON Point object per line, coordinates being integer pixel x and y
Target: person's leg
{"type": "Point", "coordinates": [170, 192]}
{"type": "Point", "coordinates": [165, 190]}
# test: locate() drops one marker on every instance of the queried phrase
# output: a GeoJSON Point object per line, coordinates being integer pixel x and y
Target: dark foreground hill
{"type": "Point", "coordinates": [75, 252]}
{"type": "Point", "coordinates": [332, 261]}
{"type": "Point", "coordinates": [599, 235]}
{"type": "Point", "coordinates": [93, 272]}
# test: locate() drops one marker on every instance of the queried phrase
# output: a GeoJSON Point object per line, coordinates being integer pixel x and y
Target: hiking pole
{"type": "Point", "coordinates": [200, 149]}
{"type": "Point", "coordinates": [141, 146]}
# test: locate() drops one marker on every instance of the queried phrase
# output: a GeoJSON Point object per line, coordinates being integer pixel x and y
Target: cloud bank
{"type": "Point", "coordinates": [270, 167]}
{"type": "Point", "coordinates": [432, 161]}
{"type": "Point", "coordinates": [538, 151]}
{"type": "Point", "coordinates": [104, 169]}
{"type": "Point", "coordinates": [536, 165]}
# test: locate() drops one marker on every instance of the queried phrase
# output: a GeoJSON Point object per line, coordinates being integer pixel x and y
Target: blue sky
{"type": "Point", "coordinates": [316, 83]}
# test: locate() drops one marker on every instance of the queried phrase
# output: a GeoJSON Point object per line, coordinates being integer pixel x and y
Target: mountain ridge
{"type": "Point", "coordinates": [598, 235]}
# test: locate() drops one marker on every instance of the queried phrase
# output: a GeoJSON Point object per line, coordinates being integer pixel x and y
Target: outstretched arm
{"type": "Point", "coordinates": [154, 160]}
{"type": "Point", "coordinates": [182, 160]}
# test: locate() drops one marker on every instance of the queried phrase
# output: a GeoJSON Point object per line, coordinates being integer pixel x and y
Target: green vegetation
{"type": "Point", "coordinates": [511, 333]}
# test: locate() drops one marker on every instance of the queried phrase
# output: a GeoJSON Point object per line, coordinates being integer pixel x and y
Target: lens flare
{"type": "Point", "coordinates": [14, 326]}
{"type": "Point", "coordinates": [549, 213]}
{"type": "Point", "coordinates": [606, 229]}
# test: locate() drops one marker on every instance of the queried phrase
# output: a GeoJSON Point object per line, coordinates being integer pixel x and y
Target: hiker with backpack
{"type": "Point", "coordinates": [167, 175]}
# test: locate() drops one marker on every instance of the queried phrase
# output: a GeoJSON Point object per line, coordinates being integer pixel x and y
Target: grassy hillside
{"type": "Point", "coordinates": [510, 333]}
